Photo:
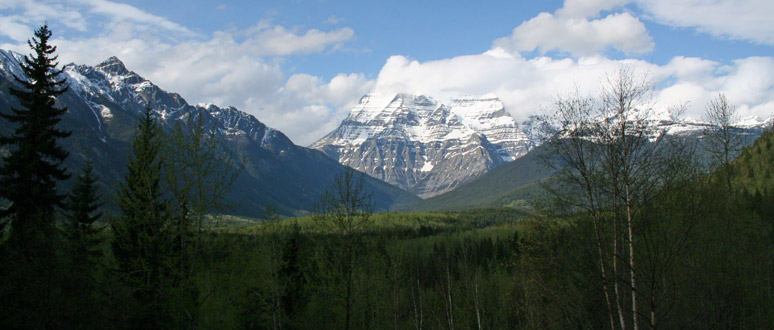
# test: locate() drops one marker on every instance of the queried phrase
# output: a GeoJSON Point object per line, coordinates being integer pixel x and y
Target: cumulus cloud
{"type": "Point", "coordinates": [307, 107]}
{"type": "Point", "coordinates": [748, 20]}
{"type": "Point", "coordinates": [525, 85]}
{"type": "Point", "coordinates": [570, 30]}
{"type": "Point", "coordinates": [529, 86]}
{"type": "Point", "coordinates": [748, 83]}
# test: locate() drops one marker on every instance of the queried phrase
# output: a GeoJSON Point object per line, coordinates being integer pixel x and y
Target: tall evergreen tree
{"type": "Point", "coordinates": [31, 170]}
{"type": "Point", "coordinates": [141, 239]}
{"type": "Point", "coordinates": [29, 174]}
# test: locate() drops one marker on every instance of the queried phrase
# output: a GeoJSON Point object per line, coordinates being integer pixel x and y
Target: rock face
{"type": "Point", "coordinates": [418, 144]}
{"type": "Point", "coordinates": [105, 101]}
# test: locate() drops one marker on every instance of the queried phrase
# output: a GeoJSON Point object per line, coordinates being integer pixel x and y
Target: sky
{"type": "Point", "coordinates": [300, 65]}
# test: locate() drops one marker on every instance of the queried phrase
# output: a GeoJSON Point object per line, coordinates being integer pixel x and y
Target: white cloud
{"type": "Point", "coordinates": [527, 86]}
{"type": "Point", "coordinates": [569, 30]}
{"type": "Point", "coordinates": [748, 83]}
{"type": "Point", "coordinates": [14, 29]}
{"type": "Point", "coordinates": [307, 107]}
{"type": "Point", "coordinates": [120, 12]}
{"type": "Point", "coordinates": [34, 13]}
{"type": "Point", "coordinates": [279, 41]}
{"type": "Point", "coordinates": [749, 20]}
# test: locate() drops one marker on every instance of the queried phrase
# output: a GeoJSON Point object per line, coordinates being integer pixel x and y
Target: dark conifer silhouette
{"type": "Point", "coordinates": [30, 172]}
{"type": "Point", "coordinates": [81, 214]}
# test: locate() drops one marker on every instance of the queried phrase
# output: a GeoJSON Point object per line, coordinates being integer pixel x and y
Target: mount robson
{"type": "Point", "coordinates": [105, 101]}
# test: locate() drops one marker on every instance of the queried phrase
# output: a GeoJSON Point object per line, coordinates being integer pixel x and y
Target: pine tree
{"type": "Point", "coordinates": [141, 239]}
{"type": "Point", "coordinates": [31, 170]}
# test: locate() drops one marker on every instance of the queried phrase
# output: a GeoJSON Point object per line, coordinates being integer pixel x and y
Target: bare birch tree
{"type": "Point", "coordinates": [346, 208]}
{"type": "Point", "coordinates": [722, 140]}
{"type": "Point", "coordinates": [605, 152]}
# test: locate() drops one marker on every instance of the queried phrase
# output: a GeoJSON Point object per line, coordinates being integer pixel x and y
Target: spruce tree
{"type": "Point", "coordinates": [83, 250]}
{"type": "Point", "coordinates": [81, 214]}
{"type": "Point", "coordinates": [31, 168]}
{"type": "Point", "coordinates": [30, 172]}
{"type": "Point", "coordinates": [141, 240]}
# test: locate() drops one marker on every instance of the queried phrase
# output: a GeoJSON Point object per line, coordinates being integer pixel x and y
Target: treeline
{"type": "Point", "coordinates": [67, 264]}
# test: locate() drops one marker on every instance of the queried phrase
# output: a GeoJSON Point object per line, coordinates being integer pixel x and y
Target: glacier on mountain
{"type": "Point", "coordinates": [422, 145]}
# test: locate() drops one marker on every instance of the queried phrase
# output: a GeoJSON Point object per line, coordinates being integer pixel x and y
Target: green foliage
{"type": "Point", "coordinates": [755, 162]}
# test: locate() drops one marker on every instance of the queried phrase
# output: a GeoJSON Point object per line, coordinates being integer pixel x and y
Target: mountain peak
{"type": "Point", "coordinates": [113, 66]}
{"type": "Point", "coordinates": [422, 145]}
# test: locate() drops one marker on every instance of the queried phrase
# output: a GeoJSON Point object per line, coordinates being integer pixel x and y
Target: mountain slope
{"type": "Point", "coordinates": [514, 183]}
{"type": "Point", "coordinates": [105, 101]}
{"type": "Point", "coordinates": [505, 185]}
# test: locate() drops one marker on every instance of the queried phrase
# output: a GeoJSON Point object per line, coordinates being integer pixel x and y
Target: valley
{"type": "Point", "coordinates": [569, 175]}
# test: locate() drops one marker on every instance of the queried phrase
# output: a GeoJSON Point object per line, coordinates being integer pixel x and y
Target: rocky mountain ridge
{"type": "Point", "coordinates": [104, 102]}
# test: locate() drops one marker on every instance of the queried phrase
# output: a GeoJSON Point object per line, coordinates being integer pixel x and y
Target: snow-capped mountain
{"type": "Point", "coordinates": [104, 102]}
{"type": "Point", "coordinates": [422, 145]}
{"type": "Point", "coordinates": [428, 148]}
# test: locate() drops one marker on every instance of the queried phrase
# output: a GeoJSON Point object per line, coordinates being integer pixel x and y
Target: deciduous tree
{"type": "Point", "coordinates": [346, 208]}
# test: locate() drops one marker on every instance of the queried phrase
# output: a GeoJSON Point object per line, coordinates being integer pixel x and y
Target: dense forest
{"type": "Point", "coordinates": [633, 230]}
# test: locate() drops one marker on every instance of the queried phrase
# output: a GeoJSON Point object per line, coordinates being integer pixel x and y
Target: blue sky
{"type": "Point", "coordinates": [301, 65]}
